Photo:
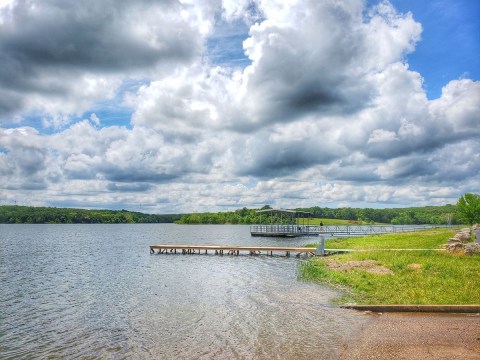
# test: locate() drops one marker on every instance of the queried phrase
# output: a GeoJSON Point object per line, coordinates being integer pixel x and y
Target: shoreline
{"type": "Point", "coordinates": [458, 309]}
{"type": "Point", "coordinates": [416, 336]}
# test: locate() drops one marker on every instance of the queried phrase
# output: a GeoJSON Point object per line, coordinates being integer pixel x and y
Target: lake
{"type": "Point", "coordinates": [94, 291]}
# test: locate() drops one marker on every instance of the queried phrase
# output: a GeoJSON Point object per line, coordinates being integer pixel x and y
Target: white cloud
{"type": "Point", "coordinates": [327, 113]}
{"type": "Point", "coordinates": [64, 58]}
{"type": "Point", "coordinates": [458, 106]}
{"type": "Point", "coordinates": [380, 135]}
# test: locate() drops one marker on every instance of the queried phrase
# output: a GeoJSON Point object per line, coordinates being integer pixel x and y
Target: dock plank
{"type": "Point", "coordinates": [233, 248]}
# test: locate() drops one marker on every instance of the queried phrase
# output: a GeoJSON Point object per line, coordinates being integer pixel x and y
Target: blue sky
{"type": "Point", "coordinates": [450, 41]}
{"type": "Point", "coordinates": [175, 107]}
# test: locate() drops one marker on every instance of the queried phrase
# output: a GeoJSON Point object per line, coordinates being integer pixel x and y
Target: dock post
{"type": "Point", "coordinates": [321, 248]}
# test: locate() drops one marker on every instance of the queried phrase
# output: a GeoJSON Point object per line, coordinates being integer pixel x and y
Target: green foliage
{"type": "Point", "coordinates": [51, 215]}
{"type": "Point", "coordinates": [398, 216]}
{"type": "Point", "coordinates": [340, 216]}
{"type": "Point", "coordinates": [468, 208]}
{"type": "Point", "coordinates": [240, 216]}
{"type": "Point", "coordinates": [419, 277]}
{"type": "Point", "coordinates": [439, 215]}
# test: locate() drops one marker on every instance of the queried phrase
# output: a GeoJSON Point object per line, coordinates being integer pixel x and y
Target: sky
{"type": "Point", "coordinates": [190, 106]}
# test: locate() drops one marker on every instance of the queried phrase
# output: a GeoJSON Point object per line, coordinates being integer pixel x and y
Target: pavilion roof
{"type": "Point", "coordinates": [283, 211]}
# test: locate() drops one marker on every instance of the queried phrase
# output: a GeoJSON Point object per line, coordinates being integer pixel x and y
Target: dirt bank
{"type": "Point", "coordinates": [412, 336]}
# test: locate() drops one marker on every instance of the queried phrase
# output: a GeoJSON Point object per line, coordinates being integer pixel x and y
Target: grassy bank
{"type": "Point", "coordinates": [398, 277]}
{"type": "Point", "coordinates": [326, 222]}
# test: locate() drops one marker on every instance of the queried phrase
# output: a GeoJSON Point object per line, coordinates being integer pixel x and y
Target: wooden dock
{"type": "Point", "coordinates": [266, 250]}
{"type": "Point", "coordinates": [230, 250]}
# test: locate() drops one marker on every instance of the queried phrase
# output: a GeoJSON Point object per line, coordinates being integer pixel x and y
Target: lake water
{"type": "Point", "coordinates": [94, 291]}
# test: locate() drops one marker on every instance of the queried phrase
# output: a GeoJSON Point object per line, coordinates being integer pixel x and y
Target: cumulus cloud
{"type": "Point", "coordinates": [68, 55]}
{"type": "Point", "coordinates": [326, 111]}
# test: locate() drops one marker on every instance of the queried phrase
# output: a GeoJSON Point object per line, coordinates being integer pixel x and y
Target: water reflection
{"type": "Point", "coordinates": [94, 291]}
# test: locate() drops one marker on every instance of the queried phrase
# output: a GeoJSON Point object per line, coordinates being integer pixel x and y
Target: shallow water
{"type": "Point", "coordinates": [94, 291]}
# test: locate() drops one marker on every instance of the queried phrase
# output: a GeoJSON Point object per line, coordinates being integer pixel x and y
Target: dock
{"type": "Point", "coordinates": [283, 231]}
{"type": "Point", "coordinates": [265, 250]}
{"type": "Point", "coordinates": [230, 250]}
{"type": "Point", "coordinates": [278, 230]}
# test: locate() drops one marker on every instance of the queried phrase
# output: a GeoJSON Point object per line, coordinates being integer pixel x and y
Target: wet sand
{"type": "Point", "coordinates": [412, 336]}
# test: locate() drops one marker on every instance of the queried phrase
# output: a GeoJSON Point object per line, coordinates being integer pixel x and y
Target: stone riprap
{"type": "Point", "coordinates": [461, 241]}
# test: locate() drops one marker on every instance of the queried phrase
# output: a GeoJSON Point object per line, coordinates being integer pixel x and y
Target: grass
{"type": "Point", "coordinates": [416, 277]}
{"type": "Point", "coordinates": [326, 222]}
{"type": "Point", "coordinates": [425, 239]}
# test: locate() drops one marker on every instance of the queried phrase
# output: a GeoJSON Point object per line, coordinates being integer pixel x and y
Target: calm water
{"type": "Point", "coordinates": [94, 291]}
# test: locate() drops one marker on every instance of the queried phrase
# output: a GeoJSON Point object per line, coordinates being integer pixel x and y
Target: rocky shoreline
{"type": "Point", "coordinates": [461, 241]}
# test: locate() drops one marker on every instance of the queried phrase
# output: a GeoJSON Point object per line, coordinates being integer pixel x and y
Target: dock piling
{"type": "Point", "coordinates": [230, 250]}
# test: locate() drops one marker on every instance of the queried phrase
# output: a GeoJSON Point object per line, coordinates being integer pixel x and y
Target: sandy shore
{"type": "Point", "coordinates": [415, 336]}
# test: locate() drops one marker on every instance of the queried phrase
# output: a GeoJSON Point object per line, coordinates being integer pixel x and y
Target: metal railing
{"type": "Point", "coordinates": [338, 230]}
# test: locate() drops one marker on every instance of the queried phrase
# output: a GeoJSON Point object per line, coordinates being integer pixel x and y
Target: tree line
{"type": "Point", "coordinates": [466, 211]}
{"type": "Point", "coordinates": [52, 215]}
{"type": "Point", "coordinates": [414, 215]}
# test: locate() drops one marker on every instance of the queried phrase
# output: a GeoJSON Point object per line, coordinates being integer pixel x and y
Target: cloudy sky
{"type": "Point", "coordinates": [209, 105]}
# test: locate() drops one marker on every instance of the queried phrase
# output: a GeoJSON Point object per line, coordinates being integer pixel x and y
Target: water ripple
{"type": "Point", "coordinates": [94, 291]}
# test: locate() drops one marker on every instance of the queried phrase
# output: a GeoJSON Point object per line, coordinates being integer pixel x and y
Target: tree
{"type": "Point", "coordinates": [468, 208]}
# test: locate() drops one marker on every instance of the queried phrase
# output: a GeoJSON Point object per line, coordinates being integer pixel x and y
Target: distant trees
{"type": "Point", "coordinates": [468, 208]}
{"type": "Point", "coordinates": [398, 216]}
{"type": "Point", "coordinates": [51, 215]}
{"type": "Point", "coordinates": [416, 215]}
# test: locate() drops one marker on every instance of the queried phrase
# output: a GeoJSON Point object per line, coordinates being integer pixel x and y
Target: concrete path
{"type": "Point", "coordinates": [452, 309]}
{"type": "Point", "coordinates": [417, 337]}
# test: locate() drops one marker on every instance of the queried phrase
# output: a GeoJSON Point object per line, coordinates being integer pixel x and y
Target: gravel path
{"type": "Point", "coordinates": [410, 336]}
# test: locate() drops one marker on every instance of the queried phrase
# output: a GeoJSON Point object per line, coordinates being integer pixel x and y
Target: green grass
{"type": "Point", "coordinates": [427, 239]}
{"type": "Point", "coordinates": [436, 278]}
{"type": "Point", "coordinates": [316, 221]}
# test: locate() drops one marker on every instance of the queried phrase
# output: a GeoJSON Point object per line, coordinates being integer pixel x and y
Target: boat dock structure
{"type": "Point", "coordinates": [173, 249]}
{"type": "Point", "coordinates": [280, 230]}
{"type": "Point", "coordinates": [296, 223]}
{"type": "Point", "coordinates": [283, 223]}
{"type": "Point", "coordinates": [275, 230]}
{"type": "Point", "coordinates": [236, 250]}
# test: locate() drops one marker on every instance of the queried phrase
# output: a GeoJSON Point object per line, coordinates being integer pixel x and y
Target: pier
{"type": "Point", "coordinates": [283, 223]}
{"type": "Point", "coordinates": [258, 250]}
{"type": "Point", "coordinates": [274, 230]}
{"type": "Point", "coordinates": [283, 230]}
{"type": "Point", "coordinates": [230, 250]}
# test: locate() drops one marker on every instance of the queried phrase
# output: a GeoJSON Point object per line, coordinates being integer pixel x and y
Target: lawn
{"type": "Point", "coordinates": [398, 277]}
{"type": "Point", "coordinates": [326, 222]}
{"type": "Point", "coordinates": [425, 239]}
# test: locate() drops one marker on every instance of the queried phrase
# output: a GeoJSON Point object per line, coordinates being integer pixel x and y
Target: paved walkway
{"type": "Point", "coordinates": [417, 337]}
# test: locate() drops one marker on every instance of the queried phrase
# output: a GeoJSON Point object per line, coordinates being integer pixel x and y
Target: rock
{"type": "Point", "coordinates": [472, 249]}
{"type": "Point", "coordinates": [476, 227]}
{"type": "Point", "coordinates": [454, 247]}
{"type": "Point", "coordinates": [463, 235]}
{"type": "Point", "coordinates": [460, 240]}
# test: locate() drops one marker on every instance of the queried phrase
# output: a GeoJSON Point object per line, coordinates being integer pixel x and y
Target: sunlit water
{"type": "Point", "coordinates": [94, 291]}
